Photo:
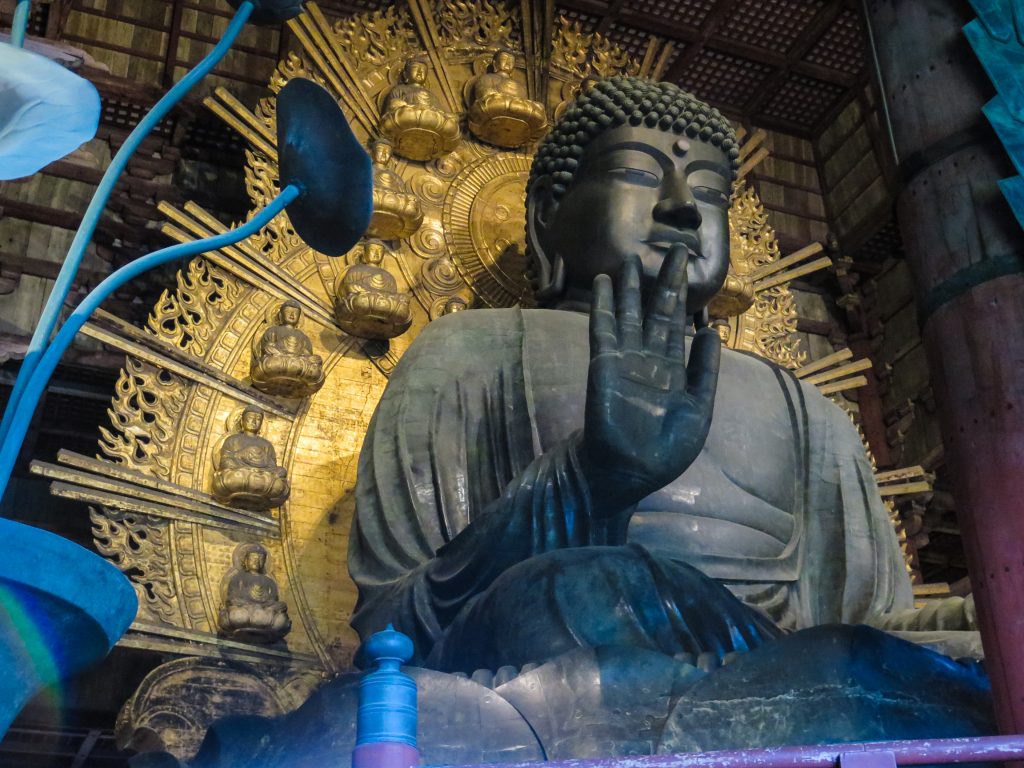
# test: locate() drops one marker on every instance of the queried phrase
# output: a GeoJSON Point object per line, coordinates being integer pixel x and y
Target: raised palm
{"type": "Point", "coordinates": [647, 413]}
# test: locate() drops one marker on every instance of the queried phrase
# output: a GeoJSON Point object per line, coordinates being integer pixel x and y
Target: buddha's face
{"type": "Point", "coordinates": [251, 422]}
{"type": "Point", "coordinates": [416, 72]}
{"type": "Point", "coordinates": [290, 315]}
{"type": "Point", "coordinates": [503, 62]}
{"type": "Point", "coordinates": [254, 562]}
{"type": "Point", "coordinates": [641, 191]}
{"type": "Point", "coordinates": [373, 254]}
{"type": "Point", "coordinates": [382, 153]}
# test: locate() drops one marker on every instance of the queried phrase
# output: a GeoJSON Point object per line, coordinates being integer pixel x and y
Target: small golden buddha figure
{"type": "Point", "coordinates": [368, 303]}
{"type": "Point", "coordinates": [251, 611]}
{"type": "Point", "coordinates": [246, 473]}
{"type": "Point", "coordinates": [396, 211]}
{"type": "Point", "coordinates": [414, 120]}
{"type": "Point", "coordinates": [500, 111]}
{"type": "Point", "coordinates": [283, 362]}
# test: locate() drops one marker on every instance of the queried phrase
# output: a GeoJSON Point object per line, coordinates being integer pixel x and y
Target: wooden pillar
{"type": "Point", "coordinates": [966, 251]}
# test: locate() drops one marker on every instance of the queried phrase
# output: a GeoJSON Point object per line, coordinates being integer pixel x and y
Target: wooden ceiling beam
{"type": "Point", "coordinates": [794, 57]}
{"type": "Point", "coordinates": [609, 16]}
{"type": "Point", "coordinates": [707, 30]}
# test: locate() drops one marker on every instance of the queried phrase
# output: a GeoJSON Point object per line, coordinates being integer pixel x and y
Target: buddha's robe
{"type": "Point", "coordinates": [476, 535]}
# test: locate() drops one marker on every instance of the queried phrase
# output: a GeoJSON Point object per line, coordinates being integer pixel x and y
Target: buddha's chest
{"type": "Point", "coordinates": [741, 495]}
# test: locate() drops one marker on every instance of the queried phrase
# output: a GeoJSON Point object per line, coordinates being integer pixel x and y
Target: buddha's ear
{"type": "Point", "coordinates": [541, 207]}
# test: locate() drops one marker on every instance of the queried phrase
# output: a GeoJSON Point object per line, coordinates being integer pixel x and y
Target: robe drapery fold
{"type": "Point", "coordinates": [469, 471]}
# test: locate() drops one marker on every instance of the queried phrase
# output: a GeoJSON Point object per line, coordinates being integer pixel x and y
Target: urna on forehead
{"type": "Point", "coordinates": [634, 101]}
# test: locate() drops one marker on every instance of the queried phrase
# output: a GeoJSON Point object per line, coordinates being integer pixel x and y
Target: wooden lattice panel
{"type": "Point", "coordinates": [690, 13]}
{"type": "Point", "coordinates": [587, 21]}
{"type": "Point", "coordinates": [803, 99]}
{"type": "Point", "coordinates": [842, 46]}
{"type": "Point", "coordinates": [771, 24]}
{"type": "Point", "coordinates": [629, 39]}
{"type": "Point", "coordinates": [723, 79]}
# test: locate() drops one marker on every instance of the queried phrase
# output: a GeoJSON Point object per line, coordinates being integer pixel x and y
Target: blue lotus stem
{"type": "Point", "coordinates": [22, 414]}
{"type": "Point", "coordinates": [62, 285]}
{"type": "Point", "coordinates": [20, 23]}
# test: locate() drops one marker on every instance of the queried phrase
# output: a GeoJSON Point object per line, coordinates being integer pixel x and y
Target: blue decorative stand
{"type": "Point", "coordinates": [62, 608]}
{"type": "Point", "coordinates": [386, 723]}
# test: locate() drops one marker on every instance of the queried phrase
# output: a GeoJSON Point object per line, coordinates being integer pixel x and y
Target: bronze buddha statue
{"type": "Point", "coordinates": [500, 110]}
{"type": "Point", "coordinates": [570, 481]}
{"type": "Point", "coordinates": [245, 469]}
{"type": "Point", "coordinates": [414, 120]}
{"type": "Point", "coordinates": [396, 210]}
{"type": "Point", "coordinates": [283, 362]}
{"type": "Point", "coordinates": [252, 610]}
{"type": "Point", "coordinates": [367, 302]}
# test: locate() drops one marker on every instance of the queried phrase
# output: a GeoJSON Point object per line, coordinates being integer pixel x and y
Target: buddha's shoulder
{"type": "Point", "coordinates": [472, 328]}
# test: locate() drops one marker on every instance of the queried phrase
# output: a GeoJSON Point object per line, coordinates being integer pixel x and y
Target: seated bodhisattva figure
{"type": "Point", "coordinates": [396, 210]}
{"type": "Point", "coordinates": [414, 120]}
{"type": "Point", "coordinates": [283, 362]}
{"type": "Point", "coordinates": [251, 610]}
{"type": "Point", "coordinates": [368, 303]}
{"type": "Point", "coordinates": [500, 110]}
{"type": "Point", "coordinates": [595, 473]}
{"type": "Point", "coordinates": [245, 469]}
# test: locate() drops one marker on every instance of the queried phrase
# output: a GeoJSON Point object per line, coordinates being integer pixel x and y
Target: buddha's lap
{"type": "Point", "coordinates": [594, 596]}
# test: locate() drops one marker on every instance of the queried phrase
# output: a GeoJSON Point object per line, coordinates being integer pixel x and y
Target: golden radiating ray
{"type": "Point", "coordinates": [825, 362]}
{"type": "Point", "coordinates": [241, 262]}
{"type": "Point", "coordinates": [792, 274]}
{"type": "Point", "coordinates": [426, 27]}
{"type": "Point", "coordinates": [903, 482]}
{"type": "Point", "coordinates": [98, 481]}
{"type": "Point", "coordinates": [229, 109]}
{"type": "Point", "coordinates": [751, 144]}
{"type": "Point", "coordinates": [839, 372]}
{"type": "Point", "coordinates": [752, 162]}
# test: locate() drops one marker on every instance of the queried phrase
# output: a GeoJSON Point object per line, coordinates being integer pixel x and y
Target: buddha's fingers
{"type": "Point", "coordinates": [702, 368]}
{"type": "Point", "coordinates": [675, 350]}
{"type": "Point", "coordinates": [627, 298]}
{"type": "Point", "coordinates": [669, 292]}
{"type": "Point", "coordinates": [603, 337]}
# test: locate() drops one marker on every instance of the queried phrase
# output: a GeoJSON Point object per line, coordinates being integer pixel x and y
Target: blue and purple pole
{"type": "Point", "coordinates": [386, 722]}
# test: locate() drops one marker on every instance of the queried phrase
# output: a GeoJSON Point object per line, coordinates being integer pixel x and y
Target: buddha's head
{"type": "Point", "coordinates": [255, 559]}
{"type": "Point", "coordinates": [252, 420]}
{"type": "Point", "coordinates": [503, 61]}
{"type": "Point", "coordinates": [291, 313]}
{"type": "Point", "coordinates": [380, 151]}
{"type": "Point", "coordinates": [633, 167]}
{"type": "Point", "coordinates": [415, 71]}
{"type": "Point", "coordinates": [373, 252]}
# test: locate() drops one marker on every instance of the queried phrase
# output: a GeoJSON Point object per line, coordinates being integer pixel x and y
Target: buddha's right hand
{"type": "Point", "coordinates": [647, 412]}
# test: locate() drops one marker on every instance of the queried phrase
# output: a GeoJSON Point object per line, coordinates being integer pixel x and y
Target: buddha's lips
{"type": "Point", "coordinates": [665, 238]}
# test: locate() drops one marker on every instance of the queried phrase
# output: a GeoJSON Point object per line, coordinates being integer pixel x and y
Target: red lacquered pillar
{"type": "Point", "coordinates": [966, 251]}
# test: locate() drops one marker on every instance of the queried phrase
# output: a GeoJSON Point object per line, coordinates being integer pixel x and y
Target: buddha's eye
{"type": "Point", "coordinates": [635, 176]}
{"type": "Point", "coordinates": [712, 196]}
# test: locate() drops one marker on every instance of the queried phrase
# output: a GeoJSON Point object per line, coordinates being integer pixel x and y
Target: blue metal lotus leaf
{"type": "Point", "coordinates": [62, 608]}
{"type": "Point", "coordinates": [272, 13]}
{"type": "Point", "coordinates": [46, 112]}
{"type": "Point", "coordinates": [318, 153]}
{"type": "Point", "coordinates": [997, 37]}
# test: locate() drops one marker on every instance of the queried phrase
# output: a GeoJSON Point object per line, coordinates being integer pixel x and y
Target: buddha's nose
{"type": "Point", "coordinates": [677, 207]}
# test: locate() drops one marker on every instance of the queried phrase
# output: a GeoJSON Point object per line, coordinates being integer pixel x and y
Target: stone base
{"type": "Point", "coordinates": [822, 685]}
